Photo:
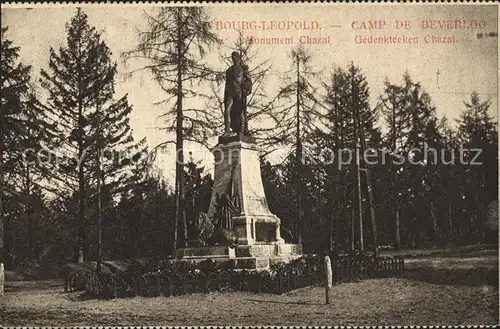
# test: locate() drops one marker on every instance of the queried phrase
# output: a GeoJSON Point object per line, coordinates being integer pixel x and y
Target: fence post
{"type": "Point", "coordinates": [328, 279]}
{"type": "Point", "coordinates": [66, 283]}
{"type": "Point", "coordinates": [136, 287]}
{"type": "Point", "coordinates": [115, 287]}
{"type": "Point", "coordinates": [2, 278]}
{"type": "Point", "coordinates": [278, 283]}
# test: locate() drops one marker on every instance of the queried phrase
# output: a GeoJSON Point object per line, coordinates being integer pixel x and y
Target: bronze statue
{"type": "Point", "coordinates": [204, 227]}
{"type": "Point", "coordinates": [238, 87]}
{"type": "Point", "coordinates": [219, 231]}
{"type": "Point", "coordinates": [227, 203]}
{"type": "Point", "coordinates": [225, 210]}
{"type": "Point", "coordinates": [208, 234]}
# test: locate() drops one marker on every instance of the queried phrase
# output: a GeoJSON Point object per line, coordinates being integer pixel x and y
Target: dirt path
{"type": "Point", "coordinates": [435, 290]}
{"type": "Point", "coordinates": [392, 301]}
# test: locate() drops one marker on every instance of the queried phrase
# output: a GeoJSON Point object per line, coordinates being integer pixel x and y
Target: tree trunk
{"type": "Point", "coordinates": [140, 232]}
{"type": "Point", "coordinates": [450, 221]}
{"type": "Point", "coordinates": [369, 184]}
{"type": "Point", "coordinates": [414, 233]}
{"type": "Point", "coordinates": [398, 233]}
{"type": "Point", "coordinates": [360, 204]}
{"type": "Point", "coordinates": [99, 222]}
{"type": "Point", "coordinates": [180, 214]}
{"type": "Point", "coordinates": [330, 220]}
{"type": "Point", "coordinates": [6, 236]}
{"type": "Point", "coordinates": [394, 191]}
{"type": "Point", "coordinates": [81, 217]}
{"type": "Point", "coordinates": [133, 231]}
{"type": "Point", "coordinates": [298, 158]}
{"type": "Point", "coordinates": [29, 218]}
{"type": "Point", "coordinates": [372, 213]}
{"type": "Point", "coordinates": [358, 170]}
{"type": "Point", "coordinates": [332, 217]}
{"type": "Point", "coordinates": [335, 174]}
{"type": "Point", "coordinates": [353, 221]}
{"type": "Point", "coordinates": [81, 188]}
{"type": "Point", "coordinates": [99, 204]}
{"type": "Point", "coordinates": [434, 224]}
{"type": "Point", "coordinates": [373, 219]}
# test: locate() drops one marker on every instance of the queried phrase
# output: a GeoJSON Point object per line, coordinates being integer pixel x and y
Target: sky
{"type": "Point", "coordinates": [470, 64]}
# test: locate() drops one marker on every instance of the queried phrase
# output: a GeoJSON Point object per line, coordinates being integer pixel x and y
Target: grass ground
{"type": "Point", "coordinates": [435, 290]}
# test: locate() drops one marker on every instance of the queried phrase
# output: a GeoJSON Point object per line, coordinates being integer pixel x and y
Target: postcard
{"type": "Point", "coordinates": [249, 164]}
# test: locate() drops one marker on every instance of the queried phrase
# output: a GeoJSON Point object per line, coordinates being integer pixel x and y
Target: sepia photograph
{"type": "Point", "coordinates": [249, 164]}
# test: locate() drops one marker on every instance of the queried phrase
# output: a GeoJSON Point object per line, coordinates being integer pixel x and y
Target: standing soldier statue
{"type": "Point", "coordinates": [238, 87]}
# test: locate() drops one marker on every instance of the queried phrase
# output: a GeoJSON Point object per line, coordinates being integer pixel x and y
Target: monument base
{"type": "Point", "coordinates": [237, 178]}
{"type": "Point", "coordinates": [237, 173]}
{"type": "Point", "coordinates": [254, 257]}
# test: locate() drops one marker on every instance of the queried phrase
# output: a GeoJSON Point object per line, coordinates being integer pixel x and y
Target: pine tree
{"type": "Point", "coordinates": [422, 131]}
{"type": "Point", "coordinates": [476, 126]}
{"type": "Point", "coordinates": [449, 175]}
{"type": "Point", "coordinates": [178, 37]}
{"type": "Point", "coordinates": [338, 135]}
{"type": "Point", "coordinates": [39, 132]}
{"type": "Point", "coordinates": [93, 128]}
{"type": "Point", "coordinates": [477, 132]}
{"type": "Point", "coordinates": [350, 123]}
{"type": "Point", "coordinates": [409, 115]}
{"type": "Point", "coordinates": [362, 116]}
{"type": "Point", "coordinates": [23, 132]}
{"type": "Point", "coordinates": [396, 119]}
{"type": "Point", "coordinates": [295, 120]}
{"type": "Point", "coordinates": [15, 78]}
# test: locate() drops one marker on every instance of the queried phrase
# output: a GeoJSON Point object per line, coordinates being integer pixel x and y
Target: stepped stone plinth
{"type": "Point", "coordinates": [258, 256]}
{"type": "Point", "coordinates": [206, 252]}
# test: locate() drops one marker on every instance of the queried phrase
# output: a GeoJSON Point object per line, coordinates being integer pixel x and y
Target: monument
{"type": "Point", "coordinates": [239, 227]}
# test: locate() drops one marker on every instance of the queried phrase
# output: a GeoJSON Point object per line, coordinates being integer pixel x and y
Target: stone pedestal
{"type": "Point", "coordinates": [237, 163]}
{"type": "Point", "coordinates": [237, 171]}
